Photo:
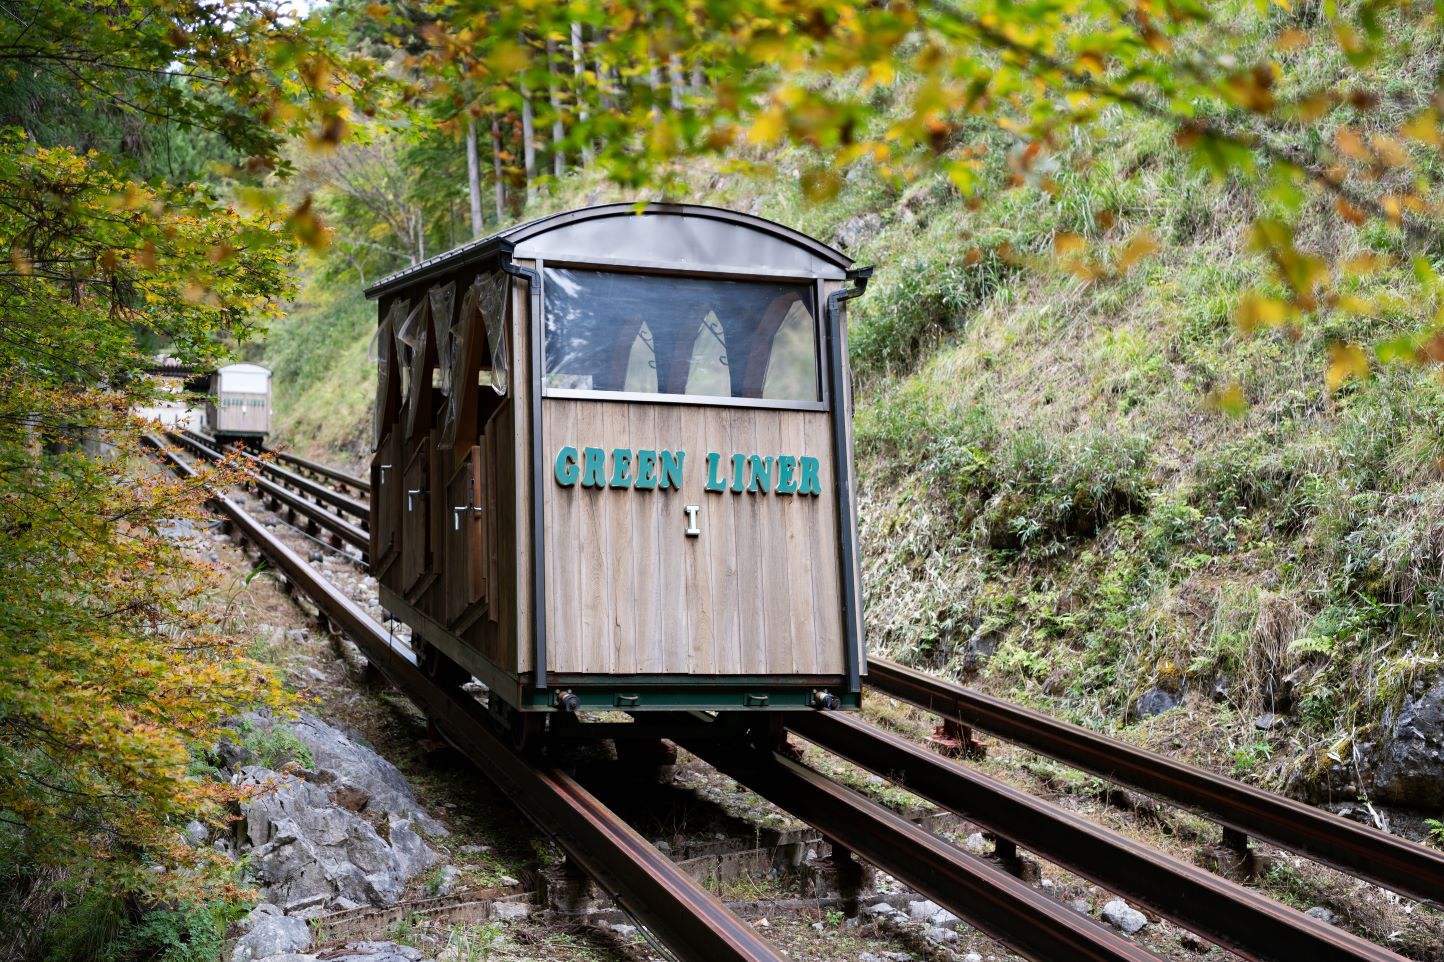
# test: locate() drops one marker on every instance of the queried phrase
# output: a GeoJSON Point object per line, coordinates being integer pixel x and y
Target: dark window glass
{"type": "Point", "coordinates": [651, 334]}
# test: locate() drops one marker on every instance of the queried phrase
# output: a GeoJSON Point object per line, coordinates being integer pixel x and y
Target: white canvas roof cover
{"type": "Point", "coordinates": [244, 379]}
{"type": "Point", "coordinates": [660, 235]}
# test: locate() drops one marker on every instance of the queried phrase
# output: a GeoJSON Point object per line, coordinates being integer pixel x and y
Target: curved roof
{"type": "Point", "coordinates": [672, 236]}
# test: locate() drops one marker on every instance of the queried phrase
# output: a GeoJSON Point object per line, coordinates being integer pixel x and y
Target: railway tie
{"type": "Point", "coordinates": [1237, 918]}
{"type": "Point", "coordinates": [1367, 853]}
{"type": "Point", "coordinates": [333, 523]}
{"type": "Point", "coordinates": [972, 888]}
{"type": "Point", "coordinates": [342, 503]}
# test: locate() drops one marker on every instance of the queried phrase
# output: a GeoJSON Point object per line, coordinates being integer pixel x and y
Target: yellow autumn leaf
{"type": "Point", "coordinates": [1229, 399]}
{"type": "Point", "coordinates": [768, 127]}
{"type": "Point", "coordinates": [1351, 145]}
{"type": "Point", "coordinates": [1423, 128]}
{"type": "Point", "coordinates": [1367, 263]}
{"type": "Point", "coordinates": [1353, 304]}
{"type": "Point", "coordinates": [1291, 39]}
{"type": "Point", "coordinates": [1346, 361]}
{"type": "Point", "coordinates": [1138, 247]}
{"type": "Point", "coordinates": [1389, 151]}
{"type": "Point", "coordinates": [1066, 243]}
{"type": "Point", "coordinates": [880, 74]}
{"type": "Point", "coordinates": [1258, 310]}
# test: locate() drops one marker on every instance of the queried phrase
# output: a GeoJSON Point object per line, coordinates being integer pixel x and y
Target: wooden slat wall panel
{"type": "Point", "coordinates": [464, 575]}
{"type": "Point", "coordinates": [495, 588]}
{"type": "Point", "coordinates": [386, 507]}
{"type": "Point", "coordinates": [453, 543]}
{"type": "Point", "coordinates": [564, 556]}
{"type": "Point", "coordinates": [643, 546]}
{"type": "Point", "coordinates": [476, 552]}
{"type": "Point", "coordinates": [822, 535]}
{"type": "Point", "coordinates": [689, 619]}
{"type": "Point", "coordinates": [621, 576]}
{"type": "Point", "coordinates": [772, 567]}
{"type": "Point", "coordinates": [748, 516]}
{"type": "Point", "coordinates": [722, 653]}
{"type": "Point", "coordinates": [589, 540]}
{"type": "Point", "coordinates": [627, 591]}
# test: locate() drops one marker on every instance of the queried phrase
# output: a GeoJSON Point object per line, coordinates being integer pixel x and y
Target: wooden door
{"type": "Point", "coordinates": [385, 507]}
{"type": "Point", "coordinates": [415, 519]}
{"type": "Point", "coordinates": [466, 531]}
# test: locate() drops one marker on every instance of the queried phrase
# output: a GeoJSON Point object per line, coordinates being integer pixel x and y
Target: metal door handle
{"type": "Point", "coordinates": [456, 512]}
{"type": "Point", "coordinates": [418, 492]}
{"type": "Point", "coordinates": [384, 469]}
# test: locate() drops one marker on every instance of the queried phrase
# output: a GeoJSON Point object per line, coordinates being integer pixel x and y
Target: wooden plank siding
{"type": "Point", "coordinates": [758, 593]}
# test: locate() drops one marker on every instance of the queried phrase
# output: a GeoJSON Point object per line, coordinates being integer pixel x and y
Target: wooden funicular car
{"type": "Point", "coordinates": [613, 465]}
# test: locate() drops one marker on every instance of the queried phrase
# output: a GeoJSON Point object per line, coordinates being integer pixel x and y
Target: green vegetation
{"type": "Point", "coordinates": [1082, 478]}
{"type": "Point", "coordinates": [276, 747]}
{"type": "Point", "coordinates": [323, 379]}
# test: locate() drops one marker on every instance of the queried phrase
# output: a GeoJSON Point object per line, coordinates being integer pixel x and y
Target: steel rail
{"type": "Point", "coordinates": [972, 888]}
{"type": "Point", "coordinates": [691, 921]}
{"type": "Point", "coordinates": [341, 502]}
{"type": "Point", "coordinates": [337, 525]}
{"type": "Point", "coordinates": [1358, 850]}
{"type": "Point", "coordinates": [324, 470]}
{"type": "Point", "coordinates": [1237, 918]}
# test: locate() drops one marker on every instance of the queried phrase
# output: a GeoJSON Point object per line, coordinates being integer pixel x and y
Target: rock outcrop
{"type": "Point", "coordinates": [1410, 766]}
{"type": "Point", "coordinates": [340, 831]}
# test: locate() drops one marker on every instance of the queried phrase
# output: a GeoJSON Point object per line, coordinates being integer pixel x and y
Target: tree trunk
{"type": "Point", "coordinates": [577, 71]}
{"type": "Point", "coordinates": [496, 173]}
{"type": "Point", "coordinates": [473, 178]}
{"type": "Point", "coordinates": [674, 80]}
{"type": "Point", "coordinates": [528, 141]}
{"type": "Point", "coordinates": [559, 155]}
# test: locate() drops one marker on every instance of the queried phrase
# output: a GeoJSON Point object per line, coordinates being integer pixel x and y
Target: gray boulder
{"type": "Point", "coordinates": [376, 952]}
{"type": "Point", "coordinates": [271, 934]}
{"type": "Point", "coordinates": [1121, 915]}
{"type": "Point", "coordinates": [1154, 701]}
{"type": "Point", "coordinates": [344, 761]}
{"type": "Point", "coordinates": [858, 229]}
{"type": "Point", "coordinates": [1410, 769]}
{"type": "Point", "coordinates": [925, 909]}
{"type": "Point", "coordinates": [306, 852]}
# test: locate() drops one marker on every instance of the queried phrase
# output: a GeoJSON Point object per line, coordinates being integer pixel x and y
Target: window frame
{"type": "Point", "coordinates": [820, 356]}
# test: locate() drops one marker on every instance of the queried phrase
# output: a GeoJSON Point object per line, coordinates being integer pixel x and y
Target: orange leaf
{"type": "Point", "coordinates": [1066, 243]}
{"type": "Point", "coordinates": [1354, 215]}
{"type": "Point", "coordinates": [1139, 246]}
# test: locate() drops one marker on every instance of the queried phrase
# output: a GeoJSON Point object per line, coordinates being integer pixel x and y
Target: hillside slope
{"type": "Point", "coordinates": [1050, 503]}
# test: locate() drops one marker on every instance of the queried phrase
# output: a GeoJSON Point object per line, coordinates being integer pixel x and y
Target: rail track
{"type": "Point", "coordinates": [317, 517]}
{"type": "Point", "coordinates": [1367, 853]}
{"type": "Point", "coordinates": [979, 890]}
{"type": "Point", "coordinates": [643, 880]}
{"type": "Point", "coordinates": [325, 471]}
{"type": "Point", "coordinates": [342, 504]}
